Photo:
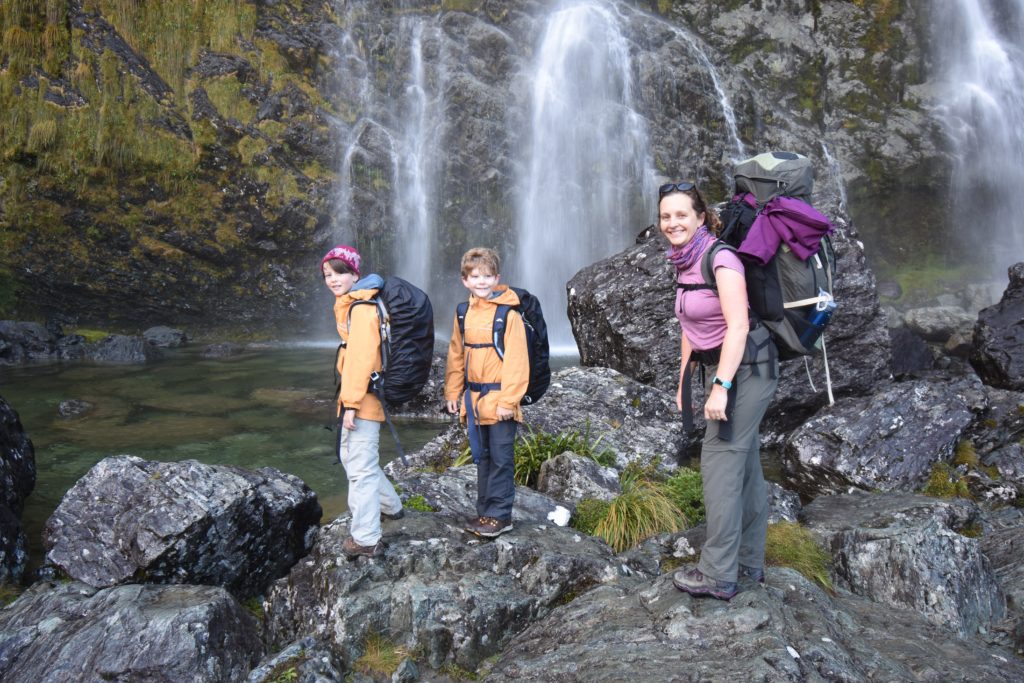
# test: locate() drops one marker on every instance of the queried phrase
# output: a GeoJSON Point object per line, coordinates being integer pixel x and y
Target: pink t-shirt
{"type": "Point", "coordinates": [700, 311]}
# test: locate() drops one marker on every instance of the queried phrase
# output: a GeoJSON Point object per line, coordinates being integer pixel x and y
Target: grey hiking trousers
{"type": "Point", "coordinates": [735, 493]}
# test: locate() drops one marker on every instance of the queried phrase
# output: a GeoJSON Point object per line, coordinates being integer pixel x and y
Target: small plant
{"type": "Point", "coordinates": [589, 513]}
{"type": "Point", "coordinates": [465, 457]}
{"type": "Point", "coordinates": [945, 483]}
{"type": "Point", "coordinates": [255, 607]}
{"type": "Point", "coordinates": [640, 511]}
{"type": "Point", "coordinates": [537, 446]}
{"type": "Point", "coordinates": [966, 455]}
{"type": "Point", "coordinates": [9, 593]}
{"type": "Point", "coordinates": [419, 503]}
{"type": "Point", "coordinates": [791, 545]}
{"type": "Point", "coordinates": [687, 492]}
{"type": "Point", "coordinates": [380, 656]}
{"type": "Point", "coordinates": [456, 672]}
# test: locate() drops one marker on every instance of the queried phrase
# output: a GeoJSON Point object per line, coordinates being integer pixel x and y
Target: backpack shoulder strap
{"type": "Point", "coordinates": [707, 270]}
{"type": "Point", "coordinates": [498, 329]}
{"type": "Point", "coordinates": [460, 315]}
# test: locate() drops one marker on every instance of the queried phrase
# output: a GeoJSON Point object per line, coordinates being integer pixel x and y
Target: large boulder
{"type": "Point", "coordinates": [121, 348]}
{"type": "Point", "coordinates": [17, 479]}
{"type": "Point", "coordinates": [998, 349]}
{"type": "Point", "coordinates": [439, 591]}
{"type": "Point", "coordinates": [129, 519]}
{"type": "Point", "coordinates": [913, 552]}
{"type": "Point", "coordinates": [792, 631]}
{"type": "Point", "coordinates": [59, 632]}
{"type": "Point", "coordinates": [1003, 545]}
{"type": "Point", "coordinates": [25, 341]}
{"type": "Point", "coordinates": [621, 311]}
{"type": "Point", "coordinates": [937, 323]}
{"type": "Point", "coordinates": [570, 478]}
{"type": "Point", "coordinates": [888, 441]}
{"type": "Point", "coordinates": [165, 337]}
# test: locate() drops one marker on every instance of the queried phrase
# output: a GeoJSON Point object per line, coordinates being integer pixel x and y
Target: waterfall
{"type": "Point", "coordinates": [586, 160]}
{"type": "Point", "coordinates": [980, 52]}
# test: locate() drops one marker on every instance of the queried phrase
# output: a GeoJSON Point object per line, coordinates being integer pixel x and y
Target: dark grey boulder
{"type": "Point", "coordinates": [17, 479]}
{"type": "Point", "coordinates": [120, 348]}
{"type": "Point", "coordinates": [21, 342]}
{"type": "Point", "coordinates": [911, 551]}
{"type": "Point", "coordinates": [998, 351]}
{"type": "Point", "coordinates": [784, 505]}
{"type": "Point", "coordinates": [790, 631]}
{"type": "Point", "coordinates": [570, 478]}
{"type": "Point", "coordinates": [450, 596]}
{"type": "Point", "coordinates": [635, 421]}
{"type": "Point", "coordinates": [60, 632]}
{"type": "Point", "coordinates": [129, 519]}
{"type": "Point", "coordinates": [165, 337]}
{"type": "Point", "coordinates": [453, 492]}
{"type": "Point", "coordinates": [621, 310]}
{"type": "Point", "coordinates": [911, 355]}
{"type": "Point", "coordinates": [888, 441]}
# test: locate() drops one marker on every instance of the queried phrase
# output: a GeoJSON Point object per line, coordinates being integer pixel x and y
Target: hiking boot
{"type": "Point", "coordinates": [489, 527]}
{"type": "Point", "coordinates": [384, 516]}
{"type": "Point", "coordinates": [353, 550]}
{"type": "Point", "coordinates": [753, 573]}
{"type": "Point", "coordinates": [695, 583]}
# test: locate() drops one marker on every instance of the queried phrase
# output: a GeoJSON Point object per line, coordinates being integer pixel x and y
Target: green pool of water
{"type": "Point", "coordinates": [258, 409]}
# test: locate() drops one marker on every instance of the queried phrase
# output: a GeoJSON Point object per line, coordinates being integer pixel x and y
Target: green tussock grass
{"type": "Point", "coordinates": [533, 448]}
{"type": "Point", "coordinates": [791, 545]}
{"type": "Point", "coordinates": [965, 454]}
{"type": "Point", "coordinates": [380, 656]}
{"type": "Point", "coordinates": [589, 513]}
{"type": "Point", "coordinates": [944, 482]}
{"type": "Point", "coordinates": [640, 511]}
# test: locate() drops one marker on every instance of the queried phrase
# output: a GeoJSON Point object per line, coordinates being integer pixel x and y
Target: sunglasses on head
{"type": "Point", "coordinates": [673, 187]}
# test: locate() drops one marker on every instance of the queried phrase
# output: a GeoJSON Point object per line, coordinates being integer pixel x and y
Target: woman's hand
{"type": "Point", "coordinates": [714, 408]}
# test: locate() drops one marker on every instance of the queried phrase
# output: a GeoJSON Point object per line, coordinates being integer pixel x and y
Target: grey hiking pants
{"type": "Point", "coordinates": [735, 494]}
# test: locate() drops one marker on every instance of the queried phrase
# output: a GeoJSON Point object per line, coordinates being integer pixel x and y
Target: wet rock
{"type": "Point", "coordinates": [73, 407]}
{"type": "Point", "coordinates": [58, 632]}
{"type": "Point", "coordinates": [960, 342]}
{"type": "Point", "coordinates": [790, 631]}
{"type": "Point", "coordinates": [165, 337]}
{"type": "Point", "coordinates": [937, 323]}
{"type": "Point", "coordinates": [17, 479]}
{"type": "Point", "coordinates": [621, 313]}
{"type": "Point", "coordinates": [888, 441]}
{"type": "Point", "coordinates": [21, 342]}
{"type": "Point", "coordinates": [998, 352]}
{"type": "Point", "coordinates": [570, 478]}
{"type": "Point", "coordinates": [911, 551]}
{"type": "Point", "coordinates": [454, 598]}
{"type": "Point", "coordinates": [222, 350]}
{"type": "Point", "coordinates": [1003, 544]}
{"type": "Point", "coordinates": [310, 661]}
{"type": "Point", "coordinates": [129, 519]}
{"type": "Point", "coordinates": [119, 348]}
{"type": "Point", "coordinates": [784, 505]}
{"type": "Point", "coordinates": [910, 354]}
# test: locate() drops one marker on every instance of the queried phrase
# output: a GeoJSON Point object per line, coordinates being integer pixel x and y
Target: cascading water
{"type": "Point", "coordinates": [979, 47]}
{"type": "Point", "coordinates": [836, 171]}
{"type": "Point", "coordinates": [587, 162]}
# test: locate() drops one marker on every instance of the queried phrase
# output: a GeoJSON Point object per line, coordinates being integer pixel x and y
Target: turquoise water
{"type": "Point", "coordinates": [260, 408]}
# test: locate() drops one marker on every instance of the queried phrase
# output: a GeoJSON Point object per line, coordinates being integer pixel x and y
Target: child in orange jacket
{"type": "Point", "coordinates": [488, 388]}
{"type": "Point", "coordinates": [370, 495]}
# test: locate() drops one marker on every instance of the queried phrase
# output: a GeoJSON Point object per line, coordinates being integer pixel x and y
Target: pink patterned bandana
{"type": "Point", "coordinates": [345, 253]}
{"type": "Point", "coordinates": [686, 255]}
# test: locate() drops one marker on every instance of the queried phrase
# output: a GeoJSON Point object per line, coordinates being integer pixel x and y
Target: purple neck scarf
{"type": "Point", "coordinates": [685, 256]}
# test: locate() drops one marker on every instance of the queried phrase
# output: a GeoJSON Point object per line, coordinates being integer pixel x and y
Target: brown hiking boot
{"type": "Point", "coordinates": [353, 550]}
{"type": "Point", "coordinates": [387, 516]}
{"type": "Point", "coordinates": [489, 527]}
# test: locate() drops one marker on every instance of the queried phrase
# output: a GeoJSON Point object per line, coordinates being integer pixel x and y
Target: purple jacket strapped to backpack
{"type": "Point", "coordinates": [784, 219]}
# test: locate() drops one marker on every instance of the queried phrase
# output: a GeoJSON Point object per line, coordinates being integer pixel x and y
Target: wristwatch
{"type": "Point", "coordinates": [724, 382]}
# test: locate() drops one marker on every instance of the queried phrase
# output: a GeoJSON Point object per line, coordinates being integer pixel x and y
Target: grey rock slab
{"type": "Point", "coordinates": [310, 661]}
{"type": "Point", "coordinates": [17, 479]}
{"type": "Point", "coordinates": [570, 478]}
{"type": "Point", "coordinates": [937, 323]}
{"type": "Point", "coordinates": [60, 632]}
{"type": "Point", "coordinates": [165, 337]}
{"type": "Point", "coordinates": [120, 348]}
{"type": "Point", "coordinates": [998, 349]}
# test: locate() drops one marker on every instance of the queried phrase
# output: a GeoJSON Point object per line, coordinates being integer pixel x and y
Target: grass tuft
{"type": "Point", "coordinates": [536, 446]}
{"type": "Point", "coordinates": [589, 513]}
{"type": "Point", "coordinates": [945, 483]}
{"type": "Point", "coordinates": [380, 656]}
{"type": "Point", "coordinates": [640, 511]}
{"type": "Point", "coordinates": [791, 545]}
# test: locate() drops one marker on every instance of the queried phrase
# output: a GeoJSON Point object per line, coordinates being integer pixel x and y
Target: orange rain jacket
{"type": "Point", "coordinates": [485, 366]}
{"type": "Point", "coordinates": [360, 356]}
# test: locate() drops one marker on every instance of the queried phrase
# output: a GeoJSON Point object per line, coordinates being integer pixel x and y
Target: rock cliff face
{"type": "Point", "coordinates": [193, 159]}
{"type": "Point", "coordinates": [17, 479]}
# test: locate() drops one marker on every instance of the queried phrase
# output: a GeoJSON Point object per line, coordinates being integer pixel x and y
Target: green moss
{"type": "Point", "coordinates": [255, 607]}
{"type": "Point", "coordinates": [791, 545]}
{"type": "Point", "coordinates": [687, 493]}
{"type": "Point", "coordinates": [972, 530]}
{"type": "Point", "coordinates": [9, 592]}
{"type": "Point", "coordinates": [589, 512]}
{"type": "Point", "coordinates": [944, 483]}
{"type": "Point", "coordinates": [419, 503]}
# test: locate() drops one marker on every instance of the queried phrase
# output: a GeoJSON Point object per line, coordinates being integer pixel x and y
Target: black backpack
{"type": "Point", "coordinates": [406, 340]}
{"type": "Point", "coordinates": [536, 339]}
{"type": "Point", "coordinates": [785, 293]}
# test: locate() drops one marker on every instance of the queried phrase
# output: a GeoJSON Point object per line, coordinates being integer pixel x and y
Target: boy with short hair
{"type": "Point", "coordinates": [490, 389]}
{"type": "Point", "coordinates": [371, 497]}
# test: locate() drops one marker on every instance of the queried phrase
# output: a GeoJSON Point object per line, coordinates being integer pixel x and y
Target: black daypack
{"type": "Point", "coordinates": [790, 296]}
{"type": "Point", "coordinates": [406, 340]}
{"type": "Point", "coordinates": [536, 339]}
